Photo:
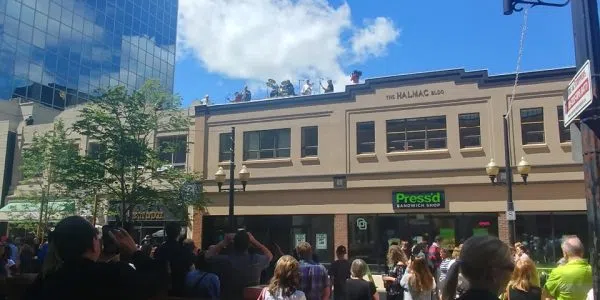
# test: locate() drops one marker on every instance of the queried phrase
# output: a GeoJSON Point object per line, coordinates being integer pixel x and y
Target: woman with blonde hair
{"type": "Point", "coordinates": [525, 282]}
{"type": "Point", "coordinates": [418, 282]}
{"type": "Point", "coordinates": [486, 264]}
{"type": "Point", "coordinates": [356, 287]}
{"type": "Point", "coordinates": [285, 284]}
{"type": "Point", "coordinates": [396, 267]}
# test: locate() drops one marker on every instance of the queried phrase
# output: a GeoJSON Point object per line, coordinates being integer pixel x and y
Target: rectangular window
{"type": "Point", "coordinates": [416, 134]}
{"type": "Point", "coordinates": [267, 144]}
{"type": "Point", "coordinates": [564, 132]}
{"type": "Point", "coordinates": [532, 125]}
{"type": "Point", "coordinates": [310, 141]}
{"type": "Point", "coordinates": [173, 150]}
{"type": "Point", "coordinates": [365, 137]}
{"type": "Point", "coordinates": [225, 146]}
{"type": "Point", "coordinates": [469, 130]}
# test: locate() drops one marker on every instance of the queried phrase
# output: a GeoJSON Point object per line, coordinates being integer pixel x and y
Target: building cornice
{"type": "Point", "coordinates": [458, 76]}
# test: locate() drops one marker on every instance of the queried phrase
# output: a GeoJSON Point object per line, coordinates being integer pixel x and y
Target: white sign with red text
{"type": "Point", "coordinates": [579, 94]}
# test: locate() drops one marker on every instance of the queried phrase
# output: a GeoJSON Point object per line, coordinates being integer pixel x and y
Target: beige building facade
{"type": "Point", "coordinates": [395, 158]}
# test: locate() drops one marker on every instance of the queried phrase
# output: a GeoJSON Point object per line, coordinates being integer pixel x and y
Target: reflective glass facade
{"type": "Point", "coordinates": [58, 52]}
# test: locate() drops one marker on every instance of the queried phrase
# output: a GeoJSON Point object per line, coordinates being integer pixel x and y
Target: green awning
{"type": "Point", "coordinates": [25, 211]}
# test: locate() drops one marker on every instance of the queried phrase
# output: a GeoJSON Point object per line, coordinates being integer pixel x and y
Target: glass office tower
{"type": "Point", "coordinates": [59, 52]}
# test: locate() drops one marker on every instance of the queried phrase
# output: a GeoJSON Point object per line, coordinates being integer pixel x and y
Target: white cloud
{"type": "Point", "coordinates": [255, 40]}
{"type": "Point", "coordinates": [374, 39]}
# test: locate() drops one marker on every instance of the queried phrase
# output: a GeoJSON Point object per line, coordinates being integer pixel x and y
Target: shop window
{"type": "Point", "coordinates": [267, 144]}
{"type": "Point", "coordinates": [416, 134]}
{"type": "Point", "coordinates": [532, 125]}
{"type": "Point", "coordinates": [310, 141]}
{"type": "Point", "coordinates": [564, 132]}
{"type": "Point", "coordinates": [542, 234]}
{"type": "Point", "coordinates": [225, 143]}
{"type": "Point", "coordinates": [173, 150]}
{"type": "Point", "coordinates": [469, 130]}
{"type": "Point", "coordinates": [365, 137]}
{"type": "Point", "coordinates": [362, 238]}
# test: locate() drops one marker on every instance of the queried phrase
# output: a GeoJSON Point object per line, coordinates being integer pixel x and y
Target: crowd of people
{"type": "Point", "coordinates": [78, 262]}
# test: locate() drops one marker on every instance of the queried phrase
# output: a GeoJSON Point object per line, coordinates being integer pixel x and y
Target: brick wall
{"type": "Point", "coordinates": [503, 227]}
{"type": "Point", "coordinates": [340, 231]}
{"type": "Point", "coordinates": [197, 228]}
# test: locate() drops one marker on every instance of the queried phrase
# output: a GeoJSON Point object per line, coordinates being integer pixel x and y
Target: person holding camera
{"type": "Point", "coordinates": [77, 274]}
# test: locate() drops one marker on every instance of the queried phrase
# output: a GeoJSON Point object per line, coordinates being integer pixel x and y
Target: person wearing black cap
{"type": "Point", "coordinates": [80, 276]}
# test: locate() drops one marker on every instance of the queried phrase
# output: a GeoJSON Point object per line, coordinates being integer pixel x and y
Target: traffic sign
{"type": "Point", "coordinates": [579, 94]}
{"type": "Point", "coordinates": [511, 215]}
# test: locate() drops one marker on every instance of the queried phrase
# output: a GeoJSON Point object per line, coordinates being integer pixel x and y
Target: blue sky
{"type": "Point", "coordinates": [223, 46]}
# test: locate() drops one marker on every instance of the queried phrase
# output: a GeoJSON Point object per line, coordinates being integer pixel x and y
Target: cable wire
{"type": "Point", "coordinates": [519, 58]}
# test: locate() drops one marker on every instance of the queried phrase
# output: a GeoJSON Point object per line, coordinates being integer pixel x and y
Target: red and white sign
{"type": "Point", "coordinates": [579, 94]}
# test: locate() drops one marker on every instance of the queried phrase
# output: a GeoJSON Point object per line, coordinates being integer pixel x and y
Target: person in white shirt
{"type": "Point", "coordinates": [307, 88]}
{"type": "Point", "coordinates": [285, 284]}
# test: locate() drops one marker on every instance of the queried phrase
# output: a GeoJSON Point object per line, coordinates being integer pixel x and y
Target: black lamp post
{"type": "Point", "coordinates": [220, 176]}
{"type": "Point", "coordinates": [523, 168]}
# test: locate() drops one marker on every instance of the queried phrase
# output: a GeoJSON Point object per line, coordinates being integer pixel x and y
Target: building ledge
{"type": "Point", "coordinates": [309, 159]}
{"type": "Point", "coordinates": [418, 153]}
{"type": "Point", "coordinates": [268, 161]}
{"type": "Point", "coordinates": [566, 146]}
{"type": "Point", "coordinates": [224, 163]}
{"type": "Point", "coordinates": [471, 150]}
{"type": "Point", "coordinates": [535, 146]}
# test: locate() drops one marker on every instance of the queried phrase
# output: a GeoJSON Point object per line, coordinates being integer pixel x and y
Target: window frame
{"type": "Point", "coordinates": [406, 131]}
{"type": "Point", "coordinates": [161, 140]}
{"type": "Point", "coordinates": [523, 131]}
{"type": "Point", "coordinates": [561, 127]}
{"type": "Point", "coordinates": [369, 141]}
{"type": "Point", "coordinates": [277, 150]}
{"type": "Point", "coordinates": [225, 156]}
{"type": "Point", "coordinates": [461, 136]}
{"type": "Point", "coordinates": [304, 147]}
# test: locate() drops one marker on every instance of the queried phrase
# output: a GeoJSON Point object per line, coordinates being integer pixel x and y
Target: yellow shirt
{"type": "Point", "coordinates": [571, 281]}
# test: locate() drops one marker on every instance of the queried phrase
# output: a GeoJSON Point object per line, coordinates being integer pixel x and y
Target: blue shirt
{"type": "Point", "coordinates": [202, 285]}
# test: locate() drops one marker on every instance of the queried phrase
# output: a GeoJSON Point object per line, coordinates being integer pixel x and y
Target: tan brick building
{"type": "Point", "coordinates": [395, 158]}
{"type": "Point", "coordinates": [16, 133]}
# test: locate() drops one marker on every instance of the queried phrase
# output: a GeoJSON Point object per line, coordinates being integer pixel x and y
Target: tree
{"type": "Point", "coordinates": [125, 124]}
{"type": "Point", "coordinates": [46, 166]}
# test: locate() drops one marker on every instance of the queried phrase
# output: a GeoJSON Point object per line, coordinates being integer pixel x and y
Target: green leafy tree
{"type": "Point", "coordinates": [46, 168]}
{"type": "Point", "coordinates": [129, 170]}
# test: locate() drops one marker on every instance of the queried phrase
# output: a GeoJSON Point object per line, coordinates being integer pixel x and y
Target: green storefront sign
{"type": "Point", "coordinates": [408, 200]}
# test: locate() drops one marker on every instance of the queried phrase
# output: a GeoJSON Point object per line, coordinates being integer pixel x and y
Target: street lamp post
{"type": "Point", "coordinates": [220, 176]}
{"type": "Point", "coordinates": [523, 168]}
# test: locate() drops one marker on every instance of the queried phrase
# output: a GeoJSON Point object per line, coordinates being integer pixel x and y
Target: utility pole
{"type": "Point", "coordinates": [232, 224]}
{"type": "Point", "coordinates": [586, 34]}
{"type": "Point", "coordinates": [510, 206]}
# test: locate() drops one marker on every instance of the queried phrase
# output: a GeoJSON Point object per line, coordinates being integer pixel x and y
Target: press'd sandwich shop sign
{"type": "Point", "coordinates": [408, 200]}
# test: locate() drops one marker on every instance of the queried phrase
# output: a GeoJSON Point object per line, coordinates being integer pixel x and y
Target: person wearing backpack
{"type": "Point", "coordinates": [200, 283]}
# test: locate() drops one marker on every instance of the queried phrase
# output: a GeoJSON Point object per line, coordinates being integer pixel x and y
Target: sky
{"type": "Point", "coordinates": [224, 45]}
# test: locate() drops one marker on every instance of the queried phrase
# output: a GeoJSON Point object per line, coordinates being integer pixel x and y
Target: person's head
{"type": "Point", "coordinates": [341, 252]}
{"type": "Point", "coordinates": [525, 275]}
{"type": "Point", "coordinates": [445, 253]}
{"type": "Point", "coordinates": [329, 81]}
{"type": "Point", "coordinates": [241, 241]}
{"type": "Point", "coordinates": [75, 238]}
{"type": "Point", "coordinates": [485, 262]}
{"type": "Point", "coordinates": [456, 252]}
{"type": "Point", "coordinates": [358, 269]}
{"type": "Point", "coordinates": [422, 280]}
{"type": "Point", "coordinates": [285, 277]}
{"type": "Point", "coordinates": [438, 239]}
{"type": "Point", "coordinates": [307, 81]}
{"type": "Point", "coordinates": [304, 251]}
{"type": "Point", "coordinates": [200, 263]}
{"type": "Point", "coordinates": [404, 245]}
{"type": "Point", "coordinates": [572, 247]}
{"type": "Point", "coordinates": [395, 255]}
{"type": "Point", "coordinates": [173, 230]}
{"type": "Point", "coordinates": [188, 244]}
